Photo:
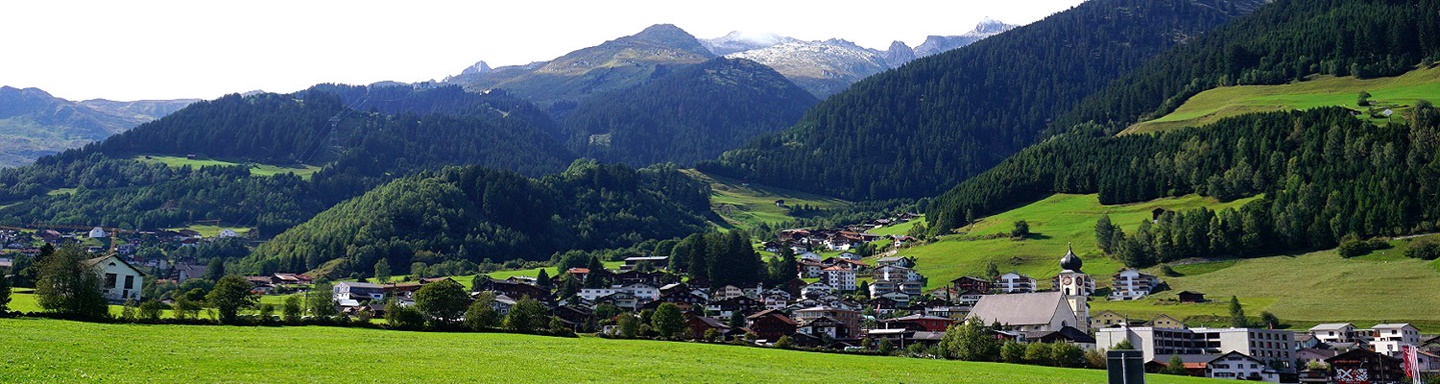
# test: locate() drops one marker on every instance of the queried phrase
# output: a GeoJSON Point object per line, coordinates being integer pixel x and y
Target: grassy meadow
{"type": "Point", "coordinates": [260, 170]}
{"type": "Point", "coordinates": [746, 206]}
{"type": "Point", "coordinates": [45, 351]}
{"type": "Point", "coordinates": [1302, 289]}
{"type": "Point", "coordinates": [1210, 106]}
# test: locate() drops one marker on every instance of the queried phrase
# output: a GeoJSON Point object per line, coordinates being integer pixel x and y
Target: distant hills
{"type": "Point", "coordinates": [33, 123]}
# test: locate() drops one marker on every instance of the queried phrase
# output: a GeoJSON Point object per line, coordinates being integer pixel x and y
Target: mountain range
{"type": "Point", "coordinates": [34, 123]}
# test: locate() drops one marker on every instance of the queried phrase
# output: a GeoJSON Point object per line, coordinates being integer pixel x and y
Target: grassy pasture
{"type": "Point", "coordinates": [747, 205]}
{"type": "Point", "coordinates": [39, 350]}
{"type": "Point", "coordinates": [260, 170]}
{"type": "Point", "coordinates": [1397, 93]}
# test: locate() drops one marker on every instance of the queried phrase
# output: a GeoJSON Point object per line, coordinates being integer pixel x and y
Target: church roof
{"type": "Point", "coordinates": [1018, 309]}
{"type": "Point", "coordinates": [1070, 262]}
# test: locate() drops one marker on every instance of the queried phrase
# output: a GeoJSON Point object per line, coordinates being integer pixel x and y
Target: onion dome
{"type": "Point", "coordinates": [1071, 262]}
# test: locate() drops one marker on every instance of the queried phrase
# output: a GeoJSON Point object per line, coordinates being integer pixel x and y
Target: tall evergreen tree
{"type": "Point", "coordinates": [1237, 314]}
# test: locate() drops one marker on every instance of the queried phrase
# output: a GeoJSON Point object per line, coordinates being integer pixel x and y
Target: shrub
{"type": "Point", "coordinates": [1424, 249]}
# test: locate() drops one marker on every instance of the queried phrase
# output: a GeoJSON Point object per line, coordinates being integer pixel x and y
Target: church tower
{"type": "Point", "coordinates": [1077, 287]}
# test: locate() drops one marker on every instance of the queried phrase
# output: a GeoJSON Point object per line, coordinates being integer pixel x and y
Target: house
{"type": "Point", "coordinates": [621, 299]}
{"type": "Point", "coordinates": [770, 325]}
{"type": "Point", "coordinates": [514, 289]}
{"type": "Point", "coordinates": [187, 271]}
{"type": "Point", "coordinates": [824, 327]}
{"type": "Point", "coordinates": [292, 279]}
{"type": "Point", "coordinates": [1363, 365]}
{"type": "Point", "coordinates": [968, 283]}
{"type": "Point", "coordinates": [919, 323]}
{"type": "Point", "coordinates": [1107, 319]}
{"type": "Point", "coordinates": [1165, 321]}
{"type": "Point", "coordinates": [1239, 366]}
{"type": "Point", "coordinates": [727, 308]}
{"type": "Point", "coordinates": [652, 261]}
{"type": "Point", "coordinates": [574, 316]}
{"type": "Point", "coordinates": [896, 261]}
{"type": "Point", "coordinates": [682, 297]}
{"type": "Point", "coordinates": [1391, 339]}
{"type": "Point", "coordinates": [902, 338]}
{"type": "Point", "coordinates": [1014, 282]}
{"type": "Point", "coordinates": [1331, 333]}
{"type": "Point", "coordinates": [346, 290]}
{"type": "Point", "coordinates": [698, 325]}
{"type": "Point", "coordinates": [810, 269]}
{"type": "Point", "coordinates": [119, 281]}
{"type": "Point", "coordinates": [228, 233]}
{"type": "Point", "coordinates": [1190, 297]}
{"type": "Point", "coordinates": [816, 290]}
{"type": "Point", "coordinates": [1131, 284]}
{"type": "Point", "coordinates": [1043, 311]}
{"type": "Point", "coordinates": [1306, 355]}
{"type": "Point", "coordinates": [726, 293]}
{"type": "Point", "coordinates": [850, 256]}
{"type": "Point", "coordinates": [1069, 335]}
{"type": "Point", "coordinates": [840, 277]}
{"type": "Point", "coordinates": [850, 318]}
{"type": "Point", "coordinates": [503, 303]}
{"type": "Point", "coordinates": [897, 273]}
{"type": "Point", "coordinates": [775, 299]}
{"type": "Point", "coordinates": [98, 233]}
{"type": "Point", "coordinates": [637, 277]}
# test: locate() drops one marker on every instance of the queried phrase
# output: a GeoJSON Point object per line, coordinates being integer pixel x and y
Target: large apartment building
{"type": "Point", "coordinates": [1266, 345]}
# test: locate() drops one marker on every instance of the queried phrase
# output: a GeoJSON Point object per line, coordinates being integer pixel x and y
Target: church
{"type": "Point", "coordinates": [1051, 311]}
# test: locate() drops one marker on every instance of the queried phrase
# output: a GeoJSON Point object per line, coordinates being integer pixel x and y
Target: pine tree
{"type": "Point", "coordinates": [382, 271]}
{"type": "Point", "coordinates": [1175, 367]}
{"type": "Point", "coordinates": [1105, 235]}
{"type": "Point", "coordinates": [1237, 314]}
{"type": "Point", "coordinates": [542, 279]}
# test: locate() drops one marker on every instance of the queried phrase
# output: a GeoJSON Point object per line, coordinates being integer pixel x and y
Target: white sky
{"type": "Point", "coordinates": [148, 49]}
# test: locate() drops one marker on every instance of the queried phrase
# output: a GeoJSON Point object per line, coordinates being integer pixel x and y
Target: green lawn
{"type": "Point", "coordinates": [211, 230]}
{"type": "Point", "coordinates": [49, 351]}
{"type": "Point", "coordinates": [898, 229]}
{"type": "Point", "coordinates": [61, 191]}
{"type": "Point", "coordinates": [552, 271]}
{"type": "Point", "coordinates": [1210, 106]}
{"type": "Point", "coordinates": [746, 206]}
{"type": "Point", "coordinates": [1055, 221]}
{"type": "Point", "coordinates": [265, 170]}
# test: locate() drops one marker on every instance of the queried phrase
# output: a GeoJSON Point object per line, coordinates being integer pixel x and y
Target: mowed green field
{"type": "Point", "coordinates": [746, 206]}
{"type": "Point", "coordinates": [48, 351]}
{"type": "Point", "coordinates": [1055, 222]}
{"type": "Point", "coordinates": [261, 170]}
{"type": "Point", "coordinates": [1210, 106]}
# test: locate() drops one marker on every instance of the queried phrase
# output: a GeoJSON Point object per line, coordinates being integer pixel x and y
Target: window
{"type": "Point", "coordinates": [110, 280]}
{"type": "Point", "coordinates": [129, 281]}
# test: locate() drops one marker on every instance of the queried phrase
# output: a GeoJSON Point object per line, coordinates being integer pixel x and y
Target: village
{"type": "Point", "coordinates": [850, 303]}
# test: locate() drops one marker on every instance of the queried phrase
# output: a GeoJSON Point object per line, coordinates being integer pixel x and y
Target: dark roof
{"type": "Point", "coordinates": [1070, 262]}
{"type": "Point", "coordinates": [1067, 333]}
{"type": "Point", "coordinates": [772, 313]}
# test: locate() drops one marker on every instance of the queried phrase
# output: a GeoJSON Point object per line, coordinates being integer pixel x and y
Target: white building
{"type": "Point", "coordinates": [897, 273]}
{"type": "Point", "coordinates": [1389, 338]}
{"type": "Point", "coordinates": [119, 281]}
{"type": "Point", "coordinates": [1239, 366]}
{"type": "Point", "coordinates": [812, 256]}
{"type": "Point", "coordinates": [358, 291]}
{"type": "Point", "coordinates": [1268, 345]}
{"type": "Point", "coordinates": [816, 290]}
{"type": "Point", "coordinates": [1131, 284]}
{"type": "Point", "coordinates": [641, 292]}
{"type": "Point", "coordinates": [850, 256]}
{"type": "Point", "coordinates": [98, 233]}
{"type": "Point", "coordinates": [840, 277]}
{"type": "Point", "coordinates": [1331, 333]}
{"type": "Point", "coordinates": [1014, 282]}
{"type": "Point", "coordinates": [228, 233]}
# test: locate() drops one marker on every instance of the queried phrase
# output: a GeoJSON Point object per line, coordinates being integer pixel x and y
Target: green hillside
{"type": "Point", "coordinates": [1301, 289]}
{"type": "Point", "coordinates": [747, 205]}
{"type": "Point", "coordinates": [1397, 93]}
{"type": "Point", "coordinates": [1055, 222]}
{"type": "Point", "coordinates": [130, 354]}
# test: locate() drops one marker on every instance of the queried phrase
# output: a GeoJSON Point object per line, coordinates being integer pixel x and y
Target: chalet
{"type": "Point", "coordinates": [896, 261]}
{"type": "Point", "coordinates": [187, 271]}
{"type": "Point", "coordinates": [775, 299]}
{"type": "Point", "coordinates": [654, 261]}
{"type": "Point", "coordinates": [120, 281]}
{"type": "Point", "coordinates": [728, 307]}
{"type": "Point", "coordinates": [1069, 335]}
{"type": "Point", "coordinates": [50, 235]}
{"type": "Point", "coordinates": [810, 269]}
{"type": "Point", "coordinates": [1131, 284]}
{"type": "Point", "coordinates": [770, 325]}
{"type": "Point", "coordinates": [1331, 333]}
{"type": "Point", "coordinates": [1194, 364]}
{"type": "Point", "coordinates": [579, 273]}
{"type": "Point", "coordinates": [850, 318]}
{"type": "Point", "coordinates": [816, 290]}
{"type": "Point", "coordinates": [1165, 321]}
{"type": "Point", "coordinates": [811, 256]}
{"type": "Point", "coordinates": [1391, 339]}
{"type": "Point", "coordinates": [261, 284]}
{"type": "Point", "coordinates": [1107, 319]}
{"type": "Point", "coordinates": [514, 289]}
{"type": "Point", "coordinates": [698, 325]}
{"type": "Point", "coordinates": [637, 277]}
{"type": "Point", "coordinates": [1304, 356]}
{"type": "Point", "coordinates": [1373, 366]}
{"type": "Point", "coordinates": [346, 290]}
{"type": "Point", "coordinates": [727, 292]}
{"type": "Point", "coordinates": [503, 303]}
{"type": "Point", "coordinates": [621, 299]}
{"type": "Point", "coordinates": [573, 316]}
{"type": "Point", "coordinates": [919, 323]}
{"type": "Point", "coordinates": [901, 241]}
{"type": "Point", "coordinates": [824, 327]}
{"type": "Point", "coordinates": [968, 283]}
{"type": "Point", "coordinates": [850, 256]}
{"type": "Point", "coordinates": [886, 305]}
{"type": "Point", "coordinates": [897, 273]}
{"type": "Point", "coordinates": [903, 338]}
{"type": "Point", "coordinates": [1190, 297]}
{"type": "Point", "coordinates": [1044, 311]}
{"type": "Point", "coordinates": [98, 233]}
{"type": "Point", "coordinates": [1014, 282]}
{"type": "Point", "coordinates": [683, 298]}
{"type": "Point", "coordinates": [293, 279]}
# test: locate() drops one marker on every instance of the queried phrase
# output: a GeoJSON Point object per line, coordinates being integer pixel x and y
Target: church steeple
{"type": "Point", "coordinates": [1070, 262]}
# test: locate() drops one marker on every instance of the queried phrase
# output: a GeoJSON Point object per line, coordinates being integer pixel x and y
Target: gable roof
{"type": "Point", "coordinates": [95, 261]}
{"type": "Point", "coordinates": [1018, 309]}
{"type": "Point", "coordinates": [1392, 326]}
{"type": "Point", "coordinates": [1331, 326]}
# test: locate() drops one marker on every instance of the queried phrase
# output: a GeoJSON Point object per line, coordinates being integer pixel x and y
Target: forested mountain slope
{"type": "Point", "coordinates": [359, 150]}
{"type": "Point", "coordinates": [692, 114]}
{"type": "Point", "coordinates": [1283, 42]}
{"type": "Point", "coordinates": [917, 130]}
{"type": "Point", "coordinates": [467, 214]}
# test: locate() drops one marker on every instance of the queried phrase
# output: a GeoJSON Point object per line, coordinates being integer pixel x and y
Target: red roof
{"type": "Point", "coordinates": [837, 268]}
{"type": "Point", "coordinates": [578, 271]}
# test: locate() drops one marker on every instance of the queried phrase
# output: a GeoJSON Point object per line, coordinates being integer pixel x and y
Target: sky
{"type": "Point", "coordinates": [147, 50]}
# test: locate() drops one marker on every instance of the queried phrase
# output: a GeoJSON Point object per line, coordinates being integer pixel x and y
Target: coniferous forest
{"type": "Point", "coordinates": [917, 130]}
